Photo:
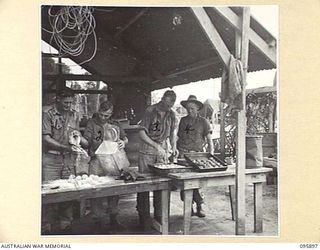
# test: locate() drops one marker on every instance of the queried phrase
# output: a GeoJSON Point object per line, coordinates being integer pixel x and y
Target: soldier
{"type": "Point", "coordinates": [159, 124]}
{"type": "Point", "coordinates": [102, 128]}
{"type": "Point", "coordinates": [59, 122]}
{"type": "Point", "coordinates": [194, 132]}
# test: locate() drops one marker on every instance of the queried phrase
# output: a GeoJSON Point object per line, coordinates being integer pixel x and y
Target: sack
{"type": "Point", "coordinates": [108, 165]}
{"type": "Point", "coordinates": [121, 159]}
{"type": "Point", "coordinates": [254, 151]}
{"type": "Point", "coordinates": [80, 163]}
{"type": "Point", "coordinates": [113, 163]}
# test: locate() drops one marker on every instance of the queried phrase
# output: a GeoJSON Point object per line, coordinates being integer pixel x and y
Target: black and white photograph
{"type": "Point", "coordinates": [159, 120]}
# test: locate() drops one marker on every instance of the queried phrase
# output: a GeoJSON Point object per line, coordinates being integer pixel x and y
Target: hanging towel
{"type": "Point", "coordinates": [232, 82]}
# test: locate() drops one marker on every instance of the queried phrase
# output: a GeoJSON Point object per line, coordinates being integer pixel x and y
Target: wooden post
{"type": "Point", "coordinates": [241, 125]}
{"type": "Point", "coordinates": [222, 131]}
{"type": "Point", "coordinates": [258, 209]}
{"type": "Point", "coordinates": [60, 83]}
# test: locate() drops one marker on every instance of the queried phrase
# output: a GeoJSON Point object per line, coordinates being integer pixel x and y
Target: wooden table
{"type": "Point", "coordinates": [117, 187]}
{"type": "Point", "coordinates": [193, 180]}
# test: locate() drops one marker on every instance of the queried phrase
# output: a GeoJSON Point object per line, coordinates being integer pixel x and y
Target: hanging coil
{"type": "Point", "coordinates": [71, 27]}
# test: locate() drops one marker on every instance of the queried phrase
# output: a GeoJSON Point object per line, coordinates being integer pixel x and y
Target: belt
{"type": "Point", "coordinates": [54, 152]}
{"type": "Point", "coordinates": [187, 150]}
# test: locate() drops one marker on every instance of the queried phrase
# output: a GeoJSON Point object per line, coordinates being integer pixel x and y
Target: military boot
{"type": "Point", "coordinates": [200, 212]}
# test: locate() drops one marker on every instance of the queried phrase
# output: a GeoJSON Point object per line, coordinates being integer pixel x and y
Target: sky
{"type": "Point", "coordinates": [266, 15]}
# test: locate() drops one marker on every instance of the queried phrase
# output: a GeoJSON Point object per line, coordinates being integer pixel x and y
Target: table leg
{"type": "Point", "coordinates": [144, 210]}
{"type": "Point", "coordinates": [232, 196]}
{"type": "Point", "coordinates": [82, 207]}
{"type": "Point", "coordinates": [258, 209]}
{"type": "Point", "coordinates": [187, 210]}
{"type": "Point", "coordinates": [169, 202]}
{"type": "Point", "coordinates": [164, 211]}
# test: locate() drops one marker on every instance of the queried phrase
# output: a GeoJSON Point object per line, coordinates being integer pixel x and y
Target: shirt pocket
{"type": "Point", "coordinates": [57, 122]}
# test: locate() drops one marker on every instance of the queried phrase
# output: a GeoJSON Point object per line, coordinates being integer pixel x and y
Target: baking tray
{"type": "Point", "coordinates": [165, 169]}
{"type": "Point", "coordinates": [220, 165]}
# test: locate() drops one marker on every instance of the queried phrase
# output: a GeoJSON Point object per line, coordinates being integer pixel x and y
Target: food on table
{"type": "Point", "coordinates": [74, 182]}
{"type": "Point", "coordinates": [168, 166]}
{"type": "Point", "coordinates": [206, 163]}
{"type": "Point", "coordinates": [94, 177]}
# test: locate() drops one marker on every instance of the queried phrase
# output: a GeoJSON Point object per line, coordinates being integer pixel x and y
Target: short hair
{"type": "Point", "coordinates": [170, 93]}
{"type": "Point", "coordinates": [66, 92]}
{"type": "Point", "coordinates": [105, 106]}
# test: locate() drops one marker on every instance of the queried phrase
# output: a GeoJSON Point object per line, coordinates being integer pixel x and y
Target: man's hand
{"type": "Point", "coordinates": [75, 137]}
{"type": "Point", "coordinates": [175, 152]}
{"type": "Point", "coordinates": [161, 151]}
{"type": "Point", "coordinates": [121, 144]}
{"type": "Point", "coordinates": [67, 148]}
{"type": "Point", "coordinates": [162, 155]}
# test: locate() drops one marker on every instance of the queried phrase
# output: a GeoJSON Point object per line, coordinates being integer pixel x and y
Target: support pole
{"type": "Point", "coordinates": [242, 41]}
{"type": "Point", "coordinates": [222, 131]}
{"type": "Point", "coordinates": [60, 82]}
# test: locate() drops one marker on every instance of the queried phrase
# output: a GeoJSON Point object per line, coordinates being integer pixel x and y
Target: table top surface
{"type": "Point", "coordinates": [47, 188]}
{"type": "Point", "coordinates": [229, 172]}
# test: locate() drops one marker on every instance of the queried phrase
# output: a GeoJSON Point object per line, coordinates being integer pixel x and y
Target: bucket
{"type": "Point", "coordinates": [254, 152]}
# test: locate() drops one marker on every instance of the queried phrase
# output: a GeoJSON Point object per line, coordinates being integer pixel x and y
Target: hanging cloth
{"type": "Point", "coordinates": [232, 82]}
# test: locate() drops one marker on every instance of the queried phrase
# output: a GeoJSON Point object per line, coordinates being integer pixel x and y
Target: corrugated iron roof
{"type": "Point", "coordinates": [155, 46]}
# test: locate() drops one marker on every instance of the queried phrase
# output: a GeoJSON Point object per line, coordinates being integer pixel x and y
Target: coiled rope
{"type": "Point", "coordinates": [71, 27]}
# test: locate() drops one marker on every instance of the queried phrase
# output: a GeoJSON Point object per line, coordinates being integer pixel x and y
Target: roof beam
{"type": "Point", "coordinates": [97, 78]}
{"type": "Point", "coordinates": [268, 49]}
{"type": "Point", "coordinates": [189, 68]}
{"type": "Point", "coordinates": [83, 91]}
{"type": "Point", "coordinates": [131, 21]}
{"type": "Point", "coordinates": [212, 34]}
{"type": "Point", "coordinates": [52, 55]}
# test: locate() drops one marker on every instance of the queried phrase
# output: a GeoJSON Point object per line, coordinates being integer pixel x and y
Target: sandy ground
{"type": "Point", "coordinates": [218, 220]}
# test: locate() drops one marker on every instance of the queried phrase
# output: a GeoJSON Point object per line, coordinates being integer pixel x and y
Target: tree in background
{"type": "Point", "coordinates": [50, 67]}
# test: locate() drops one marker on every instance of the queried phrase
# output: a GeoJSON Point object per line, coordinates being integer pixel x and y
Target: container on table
{"type": "Point", "coordinates": [205, 162]}
{"type": "Point", "coordinates": [165, 169]}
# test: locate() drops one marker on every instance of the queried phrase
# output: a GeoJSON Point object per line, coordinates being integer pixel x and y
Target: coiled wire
{"type": "Point", "coordinates": [71, 27]}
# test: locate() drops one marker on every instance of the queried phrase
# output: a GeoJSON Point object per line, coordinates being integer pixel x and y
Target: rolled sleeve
{"type": "Point", "coordinates": [123, 134]}
{"type": "Point", "coordinates": [146, 121]}
{"type": "Point", "coordinates": [174, 122]}
{"type": "Point", "coordinates": [88, 132]}
{"type": "Point", "coordinates": [46, 124]}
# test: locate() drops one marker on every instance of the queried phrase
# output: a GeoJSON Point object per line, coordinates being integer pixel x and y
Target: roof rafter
{"type": "Point", "coordinates": [268, 49]}
{"type": "Point", "coordinates": [195, 66]}
{"type": "Point", "coordinates": [105, 78]}
{"type": "Point", "coordinates": [212, 33]}
{"type": "Point", "coordinates": [131, 21]}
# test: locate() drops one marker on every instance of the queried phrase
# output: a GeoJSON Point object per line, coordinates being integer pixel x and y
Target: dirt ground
{"type": "Point", "coordinates": [218, 220]}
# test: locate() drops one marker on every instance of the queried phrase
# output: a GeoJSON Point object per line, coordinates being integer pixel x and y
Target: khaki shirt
{"type": "Point", "coordinates": [96, 133]}
{"type": "Point", "coordinates": [58, 125]}
{"type": "Point", "coordinates": [192, 133]}
{"type": "Point", "coordinates": [157, 127]}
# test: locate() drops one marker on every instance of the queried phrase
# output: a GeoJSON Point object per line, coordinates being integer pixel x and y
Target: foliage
{"type": "Point", "coordinates": [260, 114]}
{"type": "Point", "coordinates": [260, 109]}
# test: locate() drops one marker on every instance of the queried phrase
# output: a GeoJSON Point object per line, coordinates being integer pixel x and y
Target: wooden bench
{"type": "Point", "coordinates": [119, 187]}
